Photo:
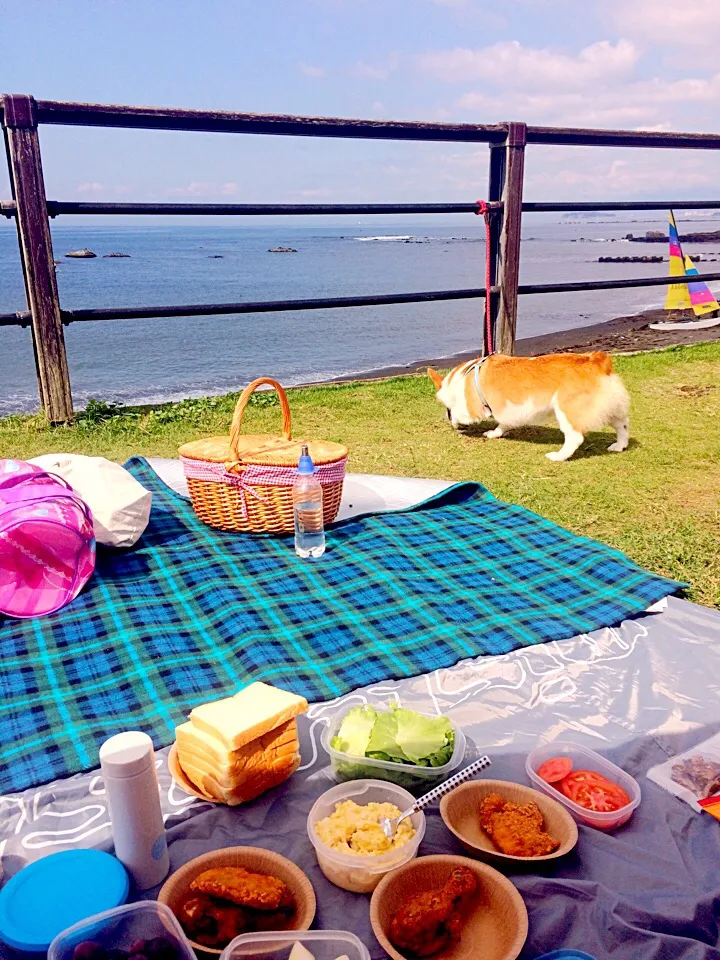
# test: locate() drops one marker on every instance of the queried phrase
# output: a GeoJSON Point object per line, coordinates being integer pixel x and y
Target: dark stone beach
{"type": "Point", "coordinates": [629, 334]}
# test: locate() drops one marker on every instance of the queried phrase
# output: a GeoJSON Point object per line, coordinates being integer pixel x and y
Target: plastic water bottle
{"type": "Point", "coordinates": [308, 509]}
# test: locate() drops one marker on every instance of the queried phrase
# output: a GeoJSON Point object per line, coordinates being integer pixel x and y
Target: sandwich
{"type": "Point", "coordinates": [234, 749]}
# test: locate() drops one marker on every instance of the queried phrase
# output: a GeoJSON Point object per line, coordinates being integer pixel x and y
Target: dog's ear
{"type": "Point", "coordinates": [435, 377]}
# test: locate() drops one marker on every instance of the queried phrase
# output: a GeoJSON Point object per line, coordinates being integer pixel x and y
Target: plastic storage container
{"type": "Point", "coordinates": [51, 894]}
{"type": "Point", "coordinates": [361, 874]}
{"type": "Point", "coordinates": [121, 927]}
{"type": "Point", "coordinates": [322, 944]}
{"type": "Point", "coordinates": [346, 766]}
{"type": "Point", "coordinates": [583, 758]}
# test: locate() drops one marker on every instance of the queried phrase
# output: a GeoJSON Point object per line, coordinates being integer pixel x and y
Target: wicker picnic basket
{"type": "Point", "coordinates": [244, 482]}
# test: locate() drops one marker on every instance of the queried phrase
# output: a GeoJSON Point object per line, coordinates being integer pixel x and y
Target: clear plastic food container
{"type": "Point", "coordinates": [322, 944]}
{"type": "Point", "coordinates": [583, 758]}
{"type": "Point", "coordinates": [121, 927]}
{"type": "Point", "coordinates": [361, 874]}
{"type": "Point", "coordinates": [346, 766]}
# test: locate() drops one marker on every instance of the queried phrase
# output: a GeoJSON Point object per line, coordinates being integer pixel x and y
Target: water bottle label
{"type": "Point", "coordinates": [159, 847]}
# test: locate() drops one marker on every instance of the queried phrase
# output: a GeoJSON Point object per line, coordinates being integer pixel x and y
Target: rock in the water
{"type": "Point", "coordinates": [215, 256]}
{"type": "Point", "coordinates": [114, 256]}
{"type": "Point", "coordinates": [645, 259]}
{"type": "Point", "coordinates": [81, 254]}
{"type": "Point", "coordinates": [282, 250]}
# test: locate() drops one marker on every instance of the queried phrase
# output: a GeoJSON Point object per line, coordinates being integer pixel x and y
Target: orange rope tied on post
{"type": "Point", "coordinates": [484, 209]}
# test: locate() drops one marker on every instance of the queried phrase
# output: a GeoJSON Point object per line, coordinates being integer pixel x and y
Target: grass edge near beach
{"type": "Point", "coordinates": [657, 502]}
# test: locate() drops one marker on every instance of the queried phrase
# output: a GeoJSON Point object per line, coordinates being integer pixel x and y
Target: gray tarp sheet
{"type": "Point", "coordinates": [639, 693]}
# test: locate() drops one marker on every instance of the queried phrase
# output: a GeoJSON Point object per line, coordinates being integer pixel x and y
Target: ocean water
{"type": "Point", "coordinates": [147, 361]}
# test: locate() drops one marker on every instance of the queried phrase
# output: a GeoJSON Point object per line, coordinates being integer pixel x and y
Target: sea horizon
{"type": "Point", "coordinates": [158, 360]}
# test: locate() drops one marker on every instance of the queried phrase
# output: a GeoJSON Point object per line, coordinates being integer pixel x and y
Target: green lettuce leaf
{"type": "Point", "coordinates": [423, 739]}
{"type": "Point", "coordinates": [353, 736]}
{"type": "Point", "coordinates": [397, 735]}
{"type": "Point", "coordinates": [384, 738]}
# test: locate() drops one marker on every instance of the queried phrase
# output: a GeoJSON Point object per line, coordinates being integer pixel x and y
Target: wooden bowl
{"type": "Point", "coordinates": [255, 859]}
{"type": "Point", "coordinates": [182, 779]}
{"type": "Point", "coordinates": [496, 921]}
{"type": "Point", "coordinates": [460, 810]}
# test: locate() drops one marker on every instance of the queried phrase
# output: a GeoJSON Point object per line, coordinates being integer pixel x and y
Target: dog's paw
{"type": "Point", "coordinates": [493, 434]}
{"type": "Point", "coordinates": [556, 456]}
{"type": "Point", "coordinates": [617, 447]}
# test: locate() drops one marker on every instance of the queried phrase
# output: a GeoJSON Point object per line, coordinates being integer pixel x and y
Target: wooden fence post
{"type": "Point", "coordinates": [496, 184]}
{"type": "Point", "coordinates": [33, 226]}
{"type": "Point", "coordinates": [509, 259]}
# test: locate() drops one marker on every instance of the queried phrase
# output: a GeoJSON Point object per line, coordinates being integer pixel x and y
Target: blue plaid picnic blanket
{"type": "Point", "coordinates": [192, 613]}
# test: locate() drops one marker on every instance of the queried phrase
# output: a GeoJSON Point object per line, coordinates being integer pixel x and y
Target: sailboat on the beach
{"type": "Point", "coordinates": [695, 296]}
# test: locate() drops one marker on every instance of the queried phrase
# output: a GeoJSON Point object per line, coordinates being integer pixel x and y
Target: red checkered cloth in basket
{"type": "Point", "coordinates": [254, 475]}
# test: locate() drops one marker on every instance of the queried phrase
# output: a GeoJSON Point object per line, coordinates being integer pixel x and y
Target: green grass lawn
{"type": "Point", "coordinates": [658, 502]}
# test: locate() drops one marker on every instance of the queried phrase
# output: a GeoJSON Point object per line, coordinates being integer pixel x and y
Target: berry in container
{"type": "Point", "coordinates": [147, 929]}
{"type": "Point", "coordinates": [577, 787]}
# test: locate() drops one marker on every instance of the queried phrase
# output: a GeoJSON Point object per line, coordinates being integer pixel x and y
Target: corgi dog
{"type": "Point", "coordinates": [580, 389]}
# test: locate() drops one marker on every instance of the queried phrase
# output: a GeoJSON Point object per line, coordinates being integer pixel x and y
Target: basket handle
{"type": "Point", "coordinates": [236, 426]}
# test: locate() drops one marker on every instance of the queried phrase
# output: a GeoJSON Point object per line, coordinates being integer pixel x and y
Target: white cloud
{"type": "Point", "coordinates": [89, 188]}
{"type": "Point", "coordinates": [655, 128]}
{"type": "Point", "coordinates": [312, 71]}
{"type": "Point", "coordinates": [514, 65]}
{"type": "Point", "coordinates": [576, 172]}
{"type": "Point", "coordinates": [472, 14]}
{"type": "Point", "coordinates": [204, 188]}
{"type": "Point", "coordinates": [314, 192]}
{"type": "Point", "coordinates": [667, 22]}
{"type": "Point", "coordinates": [377, 71]}
{"type": "Point", "coordinates": [591, 173]}
{"type": "Point", "coordinates": [366, 71]}
{"type": "Point", "coordinates": [647, 104]}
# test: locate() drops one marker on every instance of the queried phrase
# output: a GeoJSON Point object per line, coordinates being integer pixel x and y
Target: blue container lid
{"type": "Point", "coordinates": [566, 955]}
{"type": "Point", "coordinates": [51, 894]}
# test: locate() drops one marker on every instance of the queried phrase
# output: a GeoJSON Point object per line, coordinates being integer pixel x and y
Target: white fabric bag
{"type": "Point", "coordinates": [120, 505]}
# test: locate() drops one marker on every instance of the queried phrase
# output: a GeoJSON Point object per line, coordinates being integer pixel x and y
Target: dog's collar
{"type": "Point", "coordinates": [476, 368]}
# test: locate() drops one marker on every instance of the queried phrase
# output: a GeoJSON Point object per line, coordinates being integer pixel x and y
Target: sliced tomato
{"type": "Point", "coordinates": [555, 769]}
{"type": "Point", "coordinates": [594, 793]}
{"type": "Point", "coordinates": [597, 796]}
{"type": "Point", "coordinates": [587, 776]}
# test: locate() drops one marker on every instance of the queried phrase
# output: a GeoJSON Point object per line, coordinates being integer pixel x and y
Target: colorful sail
{"type": "Point", "coordinates": [701, 298]}
{"type": "Point", "coordinates": [678, 296]}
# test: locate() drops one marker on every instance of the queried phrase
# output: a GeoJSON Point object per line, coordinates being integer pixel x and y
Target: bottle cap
{"type": "Point", "coordinates": [305, 464]}
{"type": "Point", "coordinates": [56, 891]}
{"type": "Point", "coordinates": [126, 754]}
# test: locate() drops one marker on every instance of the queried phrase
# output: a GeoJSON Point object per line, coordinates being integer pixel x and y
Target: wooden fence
{"type": "Point", "coordinates": [21, 114]}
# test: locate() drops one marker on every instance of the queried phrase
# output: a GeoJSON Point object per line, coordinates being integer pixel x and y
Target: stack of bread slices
{"type": "Point", "coordinates": [234, 749]}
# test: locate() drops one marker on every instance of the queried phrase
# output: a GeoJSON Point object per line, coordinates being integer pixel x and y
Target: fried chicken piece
{"type": "Point", "coordinates": [516, 828]}
{"type": "Point", "coordinates": [211, 923]}
{"type": "Point", "coordinates": [430, 921]}
{"type": "Point", "coordinates": [256, 890]}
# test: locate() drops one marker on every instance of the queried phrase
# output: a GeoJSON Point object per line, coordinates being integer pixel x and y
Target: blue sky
{"type": "Point", "coordinates": [615, 63]}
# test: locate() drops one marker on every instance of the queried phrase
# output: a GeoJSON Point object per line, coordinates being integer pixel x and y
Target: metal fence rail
{"type": "Point", "coordinates": [56, 208]}
{"type": "Point", "coordinates": [21, 114]}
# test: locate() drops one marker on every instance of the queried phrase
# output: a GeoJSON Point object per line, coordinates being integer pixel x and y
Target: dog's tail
{"type": "Point", "coordinates": [602, 361]}
{"type": "Point", "coordinates": [436, 377]}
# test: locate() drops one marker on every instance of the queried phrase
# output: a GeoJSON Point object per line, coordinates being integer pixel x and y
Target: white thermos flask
{"type": "Point", "coordinates": [127, 761]}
